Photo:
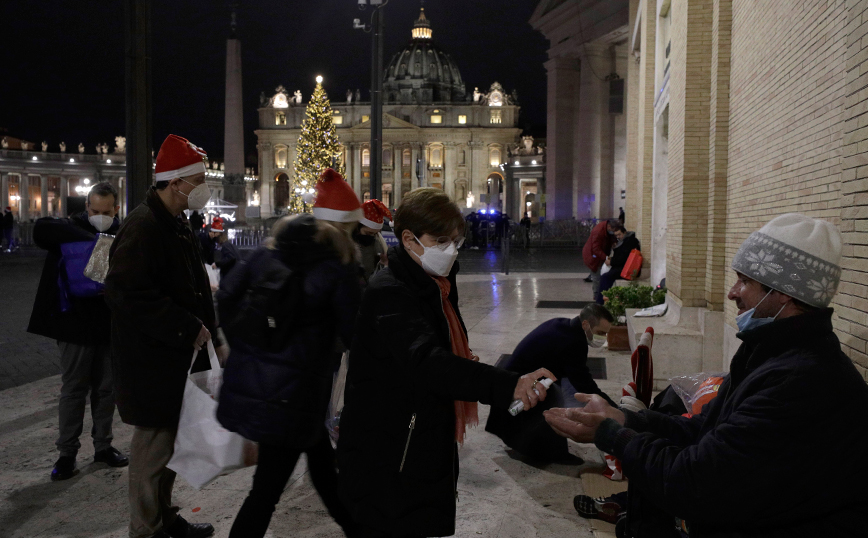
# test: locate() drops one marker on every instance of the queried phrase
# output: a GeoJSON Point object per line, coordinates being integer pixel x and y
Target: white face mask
{"type": "Point", "coordinates": [594, 340]}
{"type": "Point", "coordinates": [437, 260]}
{"type": "Point", "coordinates": [101, 222]}
{"type": "Point", "coordinates": [198, 197]}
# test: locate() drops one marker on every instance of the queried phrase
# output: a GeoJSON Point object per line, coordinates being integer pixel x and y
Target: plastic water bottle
{"type": "Point", "coordinates": [517, 406]}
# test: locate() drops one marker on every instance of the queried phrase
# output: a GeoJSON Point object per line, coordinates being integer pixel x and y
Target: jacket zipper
{"type": "Point", "coordinates": [407, 444]}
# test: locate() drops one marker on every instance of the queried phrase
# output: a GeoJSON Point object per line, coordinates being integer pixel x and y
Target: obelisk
{"type": "Point", "coordinates": [233, 134]}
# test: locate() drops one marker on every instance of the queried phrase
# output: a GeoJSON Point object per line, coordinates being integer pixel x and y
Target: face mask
{"type": "Point", "coordinates": [594, 340]}
{"type": "Point", "coordinates": [198, 197]}
{"type": "Point", "coordinates": [101, 222]}
{"type": "Point", "coordinates": [745, 321]}
{"type": "Point", "coordinates": [437, 260]}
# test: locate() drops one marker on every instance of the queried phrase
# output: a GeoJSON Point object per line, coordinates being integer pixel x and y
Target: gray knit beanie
{"type": "Point", "coordinates": [796, 255]}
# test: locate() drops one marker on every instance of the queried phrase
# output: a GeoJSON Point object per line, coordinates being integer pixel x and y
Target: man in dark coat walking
{"type": "Point", "coordinates": [596, 250]}
{"type": "Point", "coordinates": [8, 227]}
{"type": "Point", "coordinates": [162, 311]}
{"type": "Point", "coordinates": [743, 467]}
{"type": "Point", "coordinates": [82, 328]}
{"type": "Point", "coordinates": [561, 345]}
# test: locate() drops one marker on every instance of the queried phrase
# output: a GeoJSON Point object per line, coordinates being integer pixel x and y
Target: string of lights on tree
{"type": "Point", "coordinates": [318, 148]}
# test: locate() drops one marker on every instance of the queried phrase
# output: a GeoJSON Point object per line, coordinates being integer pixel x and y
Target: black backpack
{"type": "Point", "coordinates": [259, 302]}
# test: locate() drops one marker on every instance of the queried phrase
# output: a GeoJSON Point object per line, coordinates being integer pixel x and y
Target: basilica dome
{"type": "Point", "coordinates": [422, 73]}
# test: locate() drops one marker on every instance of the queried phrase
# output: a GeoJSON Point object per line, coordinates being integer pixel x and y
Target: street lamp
{"type": "Point", "coordinates": [376, 30]}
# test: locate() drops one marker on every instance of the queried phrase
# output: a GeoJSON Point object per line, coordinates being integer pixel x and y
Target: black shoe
{"type": "Point", "coordinates": [183, 529]}
{"type": "Point", "coordinates": [604, 508]}
{"type": "Point", "coordinates": [588, 279]}
{"type": "Point", "coordinates": [111, 457]}
{"type": "Point", "coordinates": [64, 468]}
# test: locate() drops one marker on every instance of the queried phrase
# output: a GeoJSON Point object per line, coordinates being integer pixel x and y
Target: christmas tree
{"type": "Point", "coordinates": [318, 148]}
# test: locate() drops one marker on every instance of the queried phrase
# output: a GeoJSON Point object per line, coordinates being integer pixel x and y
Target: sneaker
{"type": "Point", "coordinates": [588, 279]}
{"type": "Point", "coordinates": [111, 457]}
{"type": "Point", "coordinates": [604, 508]}
{"type": "Point", "coordinates": [64, 468]}
{"type": "Point", "coordinates": [181, 528]}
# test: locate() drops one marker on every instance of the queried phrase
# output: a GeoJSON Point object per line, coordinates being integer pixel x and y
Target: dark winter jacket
{"type": "Point", "coordinates": [399, 481]}
{"type": "Point", "coordinates": [280, 396]}
{"type": "Point", "coordinates": [781, 452]}
{"type": "Point", "coordinates": [226, 256]}
{"type": "Point", "coordinates": [88, 321]}
{"type": "Point", "coordinates": [159, 296]}
{"type": "Point", "coordinates": [8, 220]}
{"type": "Point", "coordinates": [622, 250]}
{"type": "Point", "coordinates": [208, 245]}
{"type": "Point", "coordinates": [598, 246]}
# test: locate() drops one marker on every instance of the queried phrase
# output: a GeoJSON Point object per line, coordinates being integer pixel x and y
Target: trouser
{"type": "Point", "coordinates": [85, 368]}
{"type": "Point", "coordinates": [7, 233]}
{"type": "Point", "coordinates": [595, 286]}
{"type": "Point", "coordinates": [151, 482]}
{"type": "Point", "coordinates": [607, 281]}
{"type": "Point", "coordinates": [273, 470]}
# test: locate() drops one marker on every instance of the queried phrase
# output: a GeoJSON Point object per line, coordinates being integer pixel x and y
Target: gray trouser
{"type": "Point", "coordinates": [85, 368]}
{"type": "Point", "coordinates": [151, 481]}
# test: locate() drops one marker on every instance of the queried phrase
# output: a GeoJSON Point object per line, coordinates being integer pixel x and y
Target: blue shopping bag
{"type": "Point", "coordinates": [71, 279]}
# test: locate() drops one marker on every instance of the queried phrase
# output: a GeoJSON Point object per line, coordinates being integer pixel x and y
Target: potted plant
{"type": "Point", "coordinates": [618, 299]}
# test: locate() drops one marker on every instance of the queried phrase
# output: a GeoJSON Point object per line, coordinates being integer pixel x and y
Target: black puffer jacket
{"type": "Point", "coordinates": [88, 322]}
{"type": "Point", "coordinates": [402, 367]}
{"type": "Point", "coordinates": [281, 396]}
{"type": "Point", "coordinates": [621, 251]}
{"type": "Point", "coordinates": [781, 452]}
{"type": "Point", "coordinates": [159, 297]}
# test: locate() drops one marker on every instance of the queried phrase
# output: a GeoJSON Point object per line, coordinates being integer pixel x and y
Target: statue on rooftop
{"type": "Point", "coordinates": [80, 147]}
{"type": "Point", "coordinates": [44, 146]}
{"type": "Point", "coordinates": [349, 97]}
{"type": "Point", "coordinates": [120, 144]}
{"type": "Point", "coordinates": [62, 146]}
{"type": "Point", "coordinates": [297, 97]}
{"type": "Point", "coordinates": [4, 143]}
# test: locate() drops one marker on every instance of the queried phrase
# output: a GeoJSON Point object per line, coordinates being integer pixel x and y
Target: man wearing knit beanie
{"type": "Point", "coordinates": [747, 465]}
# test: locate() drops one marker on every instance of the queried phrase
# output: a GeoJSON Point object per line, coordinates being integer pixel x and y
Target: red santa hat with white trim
{"type": "Point", "coordinates": [374, 213]}
{"type": "Point", "coordinates": [178, 157]}
{"type": "Point", "coordinates": [335, 199]}
{"type": "Point", "coordinates": [217, 225]}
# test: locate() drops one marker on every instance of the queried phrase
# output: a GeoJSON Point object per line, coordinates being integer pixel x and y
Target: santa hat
{"type": "Point", "coordinates": [217, 225]}
{"type": "Point", "coordinates": [335, 199]}
{"type": "Point", "coordinates": [374, 213]}
{"type": "Point", "coordinates": [178, 157]}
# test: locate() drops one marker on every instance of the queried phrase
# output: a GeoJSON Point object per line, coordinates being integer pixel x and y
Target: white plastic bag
{"type": "Point", "coordinates": [698, 389]}
{"type": "Point", "coordinates": [213, 276]}
{"type": "Point", "coordinates": [605, 269]}
{"type": "Point", "coordinates": [336, 403]}
{"type": "Point", "coordinates": [203, 448]}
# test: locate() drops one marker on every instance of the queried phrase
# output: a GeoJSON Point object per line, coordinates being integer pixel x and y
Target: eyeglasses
{"type": "Point", "coordinates": [444, 240]}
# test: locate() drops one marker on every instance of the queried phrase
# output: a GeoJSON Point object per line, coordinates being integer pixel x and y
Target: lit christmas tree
{"type": "Point", "coordinates": [318, 147]}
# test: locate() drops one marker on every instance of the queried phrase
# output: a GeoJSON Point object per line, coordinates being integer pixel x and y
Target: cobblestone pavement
{"type": "Point", "coordinates": [24, 357]}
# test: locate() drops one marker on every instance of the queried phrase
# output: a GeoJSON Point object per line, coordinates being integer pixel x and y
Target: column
{"type": "Point", "coordinates": [357, 169]}
{"type": "Point", "coordinates": [348, 159]}
{"type": "Point", "coordinates": [592, 134]}
{"type": "Point", "coordinates": [64, 192]}
{"type": "Point", "coordinates": [397, 159]}
{"type": "Point", "coordinates": [414, 180]}
{"type": "Point", "coordinates": [43, 191]}
{"type": "Point", "coordinates": [24, 193]}
{"type": "Point", "coordinates": [4, 191]}
{"type": "Point", "coordinates": [449, 173]}
{"type": "Point", "coordinates": [562, 105]}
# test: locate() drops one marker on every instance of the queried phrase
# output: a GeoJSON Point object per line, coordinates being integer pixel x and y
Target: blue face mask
{"type": "Point", "coordinates": [747, 322]}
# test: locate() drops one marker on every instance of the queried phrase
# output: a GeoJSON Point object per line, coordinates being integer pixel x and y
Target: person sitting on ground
{"type": "Point", "coordinates": [626, 242]}
{"type": "Point", "coordinates": [743, 466]}
{"type": "Point", "coordinates": [561, 345]}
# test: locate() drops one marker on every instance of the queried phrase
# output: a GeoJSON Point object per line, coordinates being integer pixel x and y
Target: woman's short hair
{"type": "Point", "coordinates": [428, 211]}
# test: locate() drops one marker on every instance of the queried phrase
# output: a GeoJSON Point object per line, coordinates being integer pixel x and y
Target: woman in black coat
{"type": "Point", "coordinates": [283, 311]}
{"type": "Point", "coordinates": [409, 395]}
{"type": "Point", "coordinates": [626, 243]}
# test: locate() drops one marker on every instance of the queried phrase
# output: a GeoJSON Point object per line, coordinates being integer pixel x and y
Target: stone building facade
{"type": "Point", "coordinates": [435, 133]}
{"type": "Point", "coordinates": [739, 111]}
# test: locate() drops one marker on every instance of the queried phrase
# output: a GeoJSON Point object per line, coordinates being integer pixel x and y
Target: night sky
{"type": "Point", "coordinates": [62, 72]}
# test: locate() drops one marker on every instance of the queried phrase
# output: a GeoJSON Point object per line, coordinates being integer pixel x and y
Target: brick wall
{"type": "Point", "coordinates": [689, 87]}
{"type": "Point", "coordinates": [852, 300]}
{"type": "Point", "coordinates": [640, 200]}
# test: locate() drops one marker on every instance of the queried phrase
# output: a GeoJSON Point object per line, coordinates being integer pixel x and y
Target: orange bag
{"type": "Point", "coordinates": [633, 267]}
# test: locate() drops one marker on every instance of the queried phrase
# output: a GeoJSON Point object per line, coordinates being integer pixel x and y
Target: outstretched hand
{"type": "Point", "coordinates": [580, 424]}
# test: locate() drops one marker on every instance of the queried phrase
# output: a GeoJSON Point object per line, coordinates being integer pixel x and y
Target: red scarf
{"type": "Point", "coordinates": [465, 412]}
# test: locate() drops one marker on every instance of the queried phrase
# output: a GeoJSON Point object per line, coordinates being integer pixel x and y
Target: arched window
{"type": "Point", "coordinates": [280, 156]}
{"type": "Point", "coordinates": [281, 191]}
{"type": "Point", "coordinates": [494, 156]}
{"type": "Point", "coordinates": [436, 156]}
{"type": "Point", "coordinates": [366, 157]}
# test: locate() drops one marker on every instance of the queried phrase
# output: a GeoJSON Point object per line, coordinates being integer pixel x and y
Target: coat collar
{"type": "Point", "coordinates": [177, 223]}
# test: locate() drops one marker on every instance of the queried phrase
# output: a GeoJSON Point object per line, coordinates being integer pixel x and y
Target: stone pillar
{"type": "Point", "coordinates": [357, 169]}
{"type": "Point", "coordinates": [640, 168]}
{"type": "Point", "coordinates": [43, 193]}
{"type": "Point", "coordinates": [688, 151]}
{"type": "Point", "coordinates": [449, 160]}
{"type": "Point", "coordinates": [397, 159]}
{"type": "Point", "coordinates": [349, 168]}
{"type": "Point", "coordinates": [64, 193]}
{"type": "Point", "coordinates": [414, 179]}
{"type": "Point", "coordinates": [4, 191]}
{"type": "Point", "coordinates": [24, 193]}
{"type": "Point", "coordinates": [592, 133]}
{"type": "Point", "coordinates": [563, 101]}
{"type": "Point", "coordinates": [233, 130]}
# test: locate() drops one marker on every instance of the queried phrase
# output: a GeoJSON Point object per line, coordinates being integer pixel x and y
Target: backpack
{"type": "Point", "coordinates": [260, 308]}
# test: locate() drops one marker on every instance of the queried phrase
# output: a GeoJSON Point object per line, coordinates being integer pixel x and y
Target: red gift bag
{"type": "Point", "coordinates": [633, 267]}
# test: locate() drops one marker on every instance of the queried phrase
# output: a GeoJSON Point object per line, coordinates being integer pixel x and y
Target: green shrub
{"type": "Point", "coordinates": [620, 298]}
